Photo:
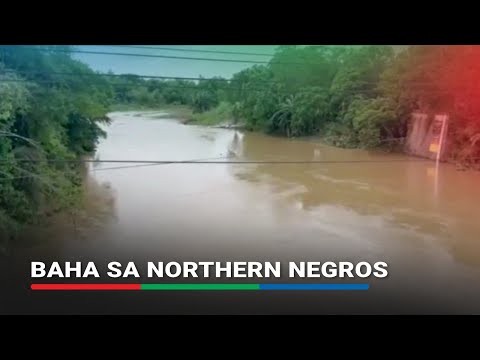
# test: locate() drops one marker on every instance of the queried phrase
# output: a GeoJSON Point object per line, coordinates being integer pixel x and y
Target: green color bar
{"type": "Point", "coordinates": [199, 287]}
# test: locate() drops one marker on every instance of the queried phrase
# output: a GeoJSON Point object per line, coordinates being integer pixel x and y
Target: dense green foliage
{"type": "Point", "coordinates": [134, 90]}
{"type": "Point", "coordinates": [327, 93]}
{"type": "Point", "coordinates": [44, 117]}
{"type": "Point", "coordinates": [222, 113]}
{"type": "Point", "coordinates": [325, 90]}
{"type": "Point", "coordinates": [358, 96]}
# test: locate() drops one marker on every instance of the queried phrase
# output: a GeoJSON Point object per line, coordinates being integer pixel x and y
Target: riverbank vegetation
{"type": "Point", "coordinates": [51, 106]}
{"type": "Point", "coordinates": [46, 121]}
{"type": "Point", "coordinates": [354, 97]}
{"type": "Point", "coordinates": [223, 113]}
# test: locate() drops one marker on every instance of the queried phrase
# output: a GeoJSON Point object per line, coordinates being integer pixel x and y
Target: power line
{"type": "Point", "coordinates": [125, 76]}
{"type": "Point", "coordinates": [174, 57]}
{"type": "Point", "coordinates": [238, 162]}
{"type": "Point", "coordinates": [145, 165]}
{"type": "Point", "coordinates": [162, 56]}
{"type": "Point", "coordinates": [116, 75]}
{"type": "Point", "coordinates": [8, 177]}
{"type": "Point", "coordinates": [190, 50]}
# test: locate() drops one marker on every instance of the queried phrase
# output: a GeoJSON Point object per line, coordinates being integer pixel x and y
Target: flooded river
{"type": "Point", "coordinates": [350, 205]}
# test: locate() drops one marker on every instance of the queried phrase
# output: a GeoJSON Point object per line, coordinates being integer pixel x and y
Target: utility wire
{"type": "Point", "coordinates": [135, 76]}
{"type": "Point", "coordinates": [201, 161]}
{"type": "Point", "coordinates": [144, 165]}
{"type": "Point", "coordinates": [31, 174]}
{"type": "Point", "coordinates": [166, 56]}
{"type": "Point", "coordinates": [162, 56]}
{"type": "Point", "coordinates": [218, 161]}
{"type": "Point", "coordinates": [190, 50]}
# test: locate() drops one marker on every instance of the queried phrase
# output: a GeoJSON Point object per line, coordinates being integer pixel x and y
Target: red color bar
{"type": "Point", "coordinates": [85, 286]}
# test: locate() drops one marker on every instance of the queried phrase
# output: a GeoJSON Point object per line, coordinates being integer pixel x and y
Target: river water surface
{"type": "Point", "coordinates": [351, 205]}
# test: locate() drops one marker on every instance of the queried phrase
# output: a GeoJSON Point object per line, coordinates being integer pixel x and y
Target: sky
{"type": "Point", "coordinates": [173, 67]}
{"type": "Point", "coordinates": [158, 66]}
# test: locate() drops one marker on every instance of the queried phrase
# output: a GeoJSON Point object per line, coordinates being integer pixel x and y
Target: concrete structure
{"type": "Point", "coordinates": [425, 136]}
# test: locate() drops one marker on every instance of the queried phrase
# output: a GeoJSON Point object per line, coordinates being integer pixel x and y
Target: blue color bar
{"type": "Point", "coordinates": [314, 286]}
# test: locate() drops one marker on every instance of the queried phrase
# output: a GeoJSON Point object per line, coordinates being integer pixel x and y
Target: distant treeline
{"type": "Point", "coordinates": [359, 97]}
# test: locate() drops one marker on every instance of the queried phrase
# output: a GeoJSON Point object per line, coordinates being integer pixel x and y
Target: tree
{"type": "Point", "coordinates": [45, 115]}
{"type": "Point", "coordinates": [371, 121]}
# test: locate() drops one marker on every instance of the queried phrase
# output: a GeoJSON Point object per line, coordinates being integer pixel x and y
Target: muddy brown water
{"type": "Point", "coordinates": [355, 206]}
